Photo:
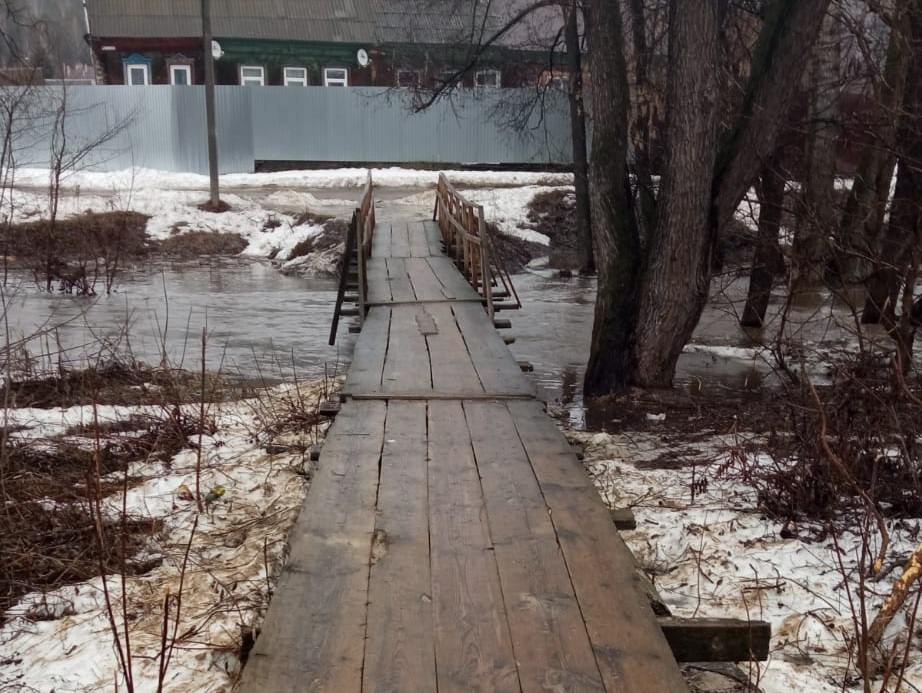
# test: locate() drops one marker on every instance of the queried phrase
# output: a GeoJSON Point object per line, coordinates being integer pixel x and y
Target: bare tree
{"type": "Point", "coordinates": [652, 290]}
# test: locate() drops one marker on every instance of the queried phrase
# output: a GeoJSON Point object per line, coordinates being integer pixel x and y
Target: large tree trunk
{"type": "Point", "coordinates": [863, 217]}
{"type": "Point", "coordinates": [784, 46]}
{"type": "Point", "coordinates": [677, 275]}
{"type": "Point", "coordinates": [637, 337]}
{"type": "Point", "coordinates": [817, 214]}
{"type": "Point", "coordinates": [895, 263]}
{"type": "Point", "coordinates": [617, 245]}
{"type": "Point", "coordinates": [578, 135]}
{"type": "Point", "coordinates": [767, 261]}
{"type": "Point", "coordinates": [643, 110]}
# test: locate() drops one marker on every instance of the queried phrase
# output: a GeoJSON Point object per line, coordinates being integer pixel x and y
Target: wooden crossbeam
{"type": "Point", "coordinates": [716, 639]}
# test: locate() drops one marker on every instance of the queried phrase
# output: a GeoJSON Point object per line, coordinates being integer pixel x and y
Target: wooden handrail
{"type": "Point", "coordinates": [357, 248]}
{"type": "Point", "coordinates": [467, 239]}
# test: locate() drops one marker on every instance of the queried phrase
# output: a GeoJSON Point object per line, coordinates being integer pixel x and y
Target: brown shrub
{"type": "Point", "coordinates": [313, 218]}
{"type": "Point", "coordinates": [89, 235]}
{"type": "Point", "coordinates": [305, 247]}
{"type": "Point", "coordinates": [195, 243]}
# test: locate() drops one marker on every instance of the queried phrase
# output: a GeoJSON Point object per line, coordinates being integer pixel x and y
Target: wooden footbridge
{"type": "Point", "coordinates": [450, 540]}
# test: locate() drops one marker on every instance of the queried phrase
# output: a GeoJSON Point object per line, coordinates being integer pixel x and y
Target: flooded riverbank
{"type": "Point", "coordinates": [259, 324]}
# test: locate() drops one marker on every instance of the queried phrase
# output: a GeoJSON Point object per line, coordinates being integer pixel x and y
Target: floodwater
{"type": "Point", "coordinates": [554, 326]}
{"type": "Point", "coordinates": [261, 325]}
{"type": "Point", "coordinates": [258, 324]}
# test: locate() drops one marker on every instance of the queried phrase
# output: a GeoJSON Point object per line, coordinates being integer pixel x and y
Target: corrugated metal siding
{"type": "Point", "coordinates": [349, 21]}
{"type": "Point", "coordinates": [163, 127]}
{"type": "Point", "coordinates": [377, 125]}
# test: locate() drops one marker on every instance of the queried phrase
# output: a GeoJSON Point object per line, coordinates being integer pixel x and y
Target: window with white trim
{"type": "Point", "coordinates": [487, 78]}
{"type": "Point", "coordinates": [181, 75]}
{"type": "Point", "coordinates": [294, 76]}
{"type": "Point", "coordinates": [252, 75]}
{"type": "Point", "coordinates": [137, 70]}
{"type": "Point", "coordinates": [408, 78]}
{"type": "Point", "coordinates": [335, 77]}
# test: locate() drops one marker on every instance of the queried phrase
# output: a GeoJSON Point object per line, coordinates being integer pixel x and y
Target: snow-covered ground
{"type": "Point", "coordinates": [712, 555]}
{"type": "Point", "coordinates": [265, 207]}
{"type": "Point", "coordinates": [62, 639]}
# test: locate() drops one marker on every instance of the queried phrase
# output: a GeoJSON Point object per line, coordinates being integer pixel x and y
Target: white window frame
{"type": "Point", "coordinates": [335, 77]}
{"type": "Point", "coordinates": [177, 68]}
{"type": "Point", "coordinates": [294, 76]}
{"type": "Point", "coordinates": [129, 76]}
{"type": "Point", "coordinates": [415, 75]}
{"type": "Point", "coordinates": [495, 79]}
{"type": "Point", "coordinates": [256, 79]}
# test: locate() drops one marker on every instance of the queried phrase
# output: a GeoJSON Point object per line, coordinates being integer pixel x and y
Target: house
{"type": "Point", "coordinates": [332, 43]}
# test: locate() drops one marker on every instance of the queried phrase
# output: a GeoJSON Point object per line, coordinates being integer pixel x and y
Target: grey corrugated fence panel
{"type": "Point", "coordinates": [379, 125]}
{"type": "Point", "coordinates": [163, 127]}
{"type": "Point", "coordinates": [234, 130]}
{"type": "Point", "coordinates": [116, 127]}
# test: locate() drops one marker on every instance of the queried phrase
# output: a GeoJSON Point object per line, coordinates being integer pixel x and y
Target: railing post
{"type": "Point", "coordinates": [486, 274]}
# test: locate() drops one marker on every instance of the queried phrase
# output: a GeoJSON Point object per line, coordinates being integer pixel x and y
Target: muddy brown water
{"type": "Point", "coordinates": [263, 325]}
{"type": "Point", "coordinates": [258, 323]}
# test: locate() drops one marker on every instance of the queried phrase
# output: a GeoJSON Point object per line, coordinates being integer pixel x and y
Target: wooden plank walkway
{"type": "Point", "coordinates": [451, 540]}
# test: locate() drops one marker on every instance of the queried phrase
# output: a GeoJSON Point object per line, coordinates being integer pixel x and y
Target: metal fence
{"type": "Point", "coordinates": [163, 127]}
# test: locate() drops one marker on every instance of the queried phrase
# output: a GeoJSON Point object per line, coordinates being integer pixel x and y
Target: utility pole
{"type": "Point", "coordinates": [215, 201]}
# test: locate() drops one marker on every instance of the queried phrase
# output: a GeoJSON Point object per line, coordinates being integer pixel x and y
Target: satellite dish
{"type": "Point", "coordinates": [216, 50]}
{"type": "Point", "coordinates": [362, 57]}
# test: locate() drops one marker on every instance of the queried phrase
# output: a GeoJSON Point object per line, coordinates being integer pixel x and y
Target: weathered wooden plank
{"type": "Point", "coordinates": [449, 276]}
{"type": "Point", "coordinates": [439, 396]}
{"type": "Point", "coordinates": [717, 639]}
{"type": "Point", "coordinates": [549, 636]}
{"type": "Point", "coordinates": [472, 643]}
{"type": "Point", "coordinates": [416, 302]}
{"type": "Point", "coordinates": [399, 651]}
{"type": "Point", "coordinates": [399, 280]}
{"type": "Point", "coordinates": [426, 286]}
{"type": "Point", "coordinates": [631, 650]}
{"type": "Point", "coordinates": [419, 240]}
{"type": "Point", "coordinates": [318, 613]}
{"type": "Point", "coordinates": [381, 241]}
{"type": "Point", "coordinates": [400, 240]}
{"type": "Point", "coordinates": [367, 367]}
{"type": "Point", "coordinates": [379, 290]}
{"type": "Point", "coordinates": [452, 368]}
{"type": "Point", "coordinates": [406, 365]}
{"type": "Point", "coordinates": [495, 364]}
{"type": "Point", "coordinates": [623, 518]}
{"type": "Point", "coordinates": [433, 236]}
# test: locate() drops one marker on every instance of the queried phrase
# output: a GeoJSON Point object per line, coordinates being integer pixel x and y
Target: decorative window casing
{"type": "Point", "coordinates": [181, 74]}
{"type": "Point", "coordinates": [488, 79]}
{"type": "Point", "coordinates": [294, 77]}
{"type": "Point", "coordinates": [555, 80]}
{"type": "Point", "coordinates": [335, 77]}
{"type": "Point", "coordinates": [252, 75]}
{"type": "Point", "coordinates": [137, 70]}
{"type": "Point", "coordinates": [408, 78]}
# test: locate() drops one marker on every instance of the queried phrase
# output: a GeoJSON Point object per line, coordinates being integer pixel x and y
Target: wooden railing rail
{"type": "Point", "coordinates": [365, 221]}
{"type": "Point", "coordinates": [465, 235]}
{"type": "Point", "coordinates": [356, 251]}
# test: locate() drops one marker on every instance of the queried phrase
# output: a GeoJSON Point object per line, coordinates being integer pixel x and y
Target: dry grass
{"type": "Point", "coordinates": [49, 535]}
{"type": "Point", "coordinates": [185, 246]}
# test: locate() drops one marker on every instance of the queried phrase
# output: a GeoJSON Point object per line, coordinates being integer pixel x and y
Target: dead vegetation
{"type": "Point", "coordinates": [192, 244]}
{"type": "Point", "coordinates": [51, 530]}
{"type": "Point", "coordinates": [77, 252]}
{"type": "Point", "coordinates": [810, 452]}
{"type": "Point", "coordinates": [124, 382]}
{"type": "Point", "coordinates": [333, 235]}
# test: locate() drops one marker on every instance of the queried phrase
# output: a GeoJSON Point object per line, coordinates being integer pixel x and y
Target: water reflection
{"type": "Point", "coordinates": [554, 328]}
{"type": "Point", "coordinates": [257, 322]}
